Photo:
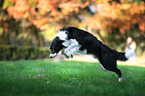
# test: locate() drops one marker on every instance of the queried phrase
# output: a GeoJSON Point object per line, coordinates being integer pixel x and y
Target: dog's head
{"type": "Point", "coordinates": [56, 45]}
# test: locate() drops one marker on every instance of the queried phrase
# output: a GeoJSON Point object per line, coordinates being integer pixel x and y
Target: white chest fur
{"type": "Point", "coordinates": [72, 47]}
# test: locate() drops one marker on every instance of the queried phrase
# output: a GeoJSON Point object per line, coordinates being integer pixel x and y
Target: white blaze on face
{"type": "Point", "coordinates": [62, 35]}
{"type": "Point", "coordinates": [52, 55]}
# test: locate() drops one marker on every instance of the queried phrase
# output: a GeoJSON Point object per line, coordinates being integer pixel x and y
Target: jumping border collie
{"type": "Point", "coordinates": [76, 41]}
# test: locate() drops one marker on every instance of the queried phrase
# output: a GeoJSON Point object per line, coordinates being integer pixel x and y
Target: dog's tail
{"type": "Point", "coordinates": [123, 56]}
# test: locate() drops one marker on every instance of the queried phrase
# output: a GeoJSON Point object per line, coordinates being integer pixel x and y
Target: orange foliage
{"type": "Point", "coordinates": [115, 15]}
{"type": "Point", "coordinates": [122, 16]}
{"type": "Point", "coordinates": [45, 11]}
{"type": "Point", "coordinates": [19, 10]}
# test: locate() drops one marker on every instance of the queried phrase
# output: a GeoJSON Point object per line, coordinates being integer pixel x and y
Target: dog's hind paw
{"type": "Point", "coordinates": [121, 78]}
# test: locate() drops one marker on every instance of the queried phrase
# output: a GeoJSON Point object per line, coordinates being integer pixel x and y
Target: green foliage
{"type": "Point", "coordinates": [7, 3]}
{"type": "Point", "coordinates": [32, 3]}
{"type": "Point", "coordinates": [17, 52]}
{"type": "Point", "coordinates": [1, 31]}
{"type": "Point", "coordinates": [137, 1]}
{"type": "Point", "coordinates": [49, 33]}
{"type": "Point", "coordinates": [68, 78]}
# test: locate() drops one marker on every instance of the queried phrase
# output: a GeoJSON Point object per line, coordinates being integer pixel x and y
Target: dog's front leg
{"type": "Point", "coordinates": [65, 54]}
{"type": "Point", "coordinates": [71, 47]}
{"type": "Point", "coordinates": [70, 50]}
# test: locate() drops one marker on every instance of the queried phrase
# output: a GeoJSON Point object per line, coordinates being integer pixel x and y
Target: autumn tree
{"type": "Point", "coordinates": [119, 18]}
{"type": "Point", "coordinates": [17, 31]}
{"type": "Point", "coordinates": [111, 14]}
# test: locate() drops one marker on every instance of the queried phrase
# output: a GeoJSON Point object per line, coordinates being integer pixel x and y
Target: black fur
{"type": "Point", "coordinates": [56, 45]}
{"type": "Point", "coordinates": [106, 56]}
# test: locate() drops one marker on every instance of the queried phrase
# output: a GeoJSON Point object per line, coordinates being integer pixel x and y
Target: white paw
{"type": "Point", "coordinates": [68, 53]}
{"type": "Point", "coordinates": [121, 78]}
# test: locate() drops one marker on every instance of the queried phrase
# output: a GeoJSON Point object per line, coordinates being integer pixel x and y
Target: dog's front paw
{"type": "Point", "coordinates": [67, 54]}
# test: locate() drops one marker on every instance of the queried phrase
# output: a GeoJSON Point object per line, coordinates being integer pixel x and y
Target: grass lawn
{"type": "Point", "coordinates": [68, 78]}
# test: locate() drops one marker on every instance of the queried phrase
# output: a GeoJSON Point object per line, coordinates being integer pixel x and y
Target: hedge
{"type": "Point", "coordinates": [18, 52]}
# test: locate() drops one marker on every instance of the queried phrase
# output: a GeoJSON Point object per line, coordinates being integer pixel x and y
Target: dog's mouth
{"type": "Point", "coordinates": [52, 55]}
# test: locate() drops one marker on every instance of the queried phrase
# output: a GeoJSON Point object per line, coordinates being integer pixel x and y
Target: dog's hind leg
{"type": "Point", "coordinates": [121, 77]}
{"type": "Point", "coordinates": [109, 63]}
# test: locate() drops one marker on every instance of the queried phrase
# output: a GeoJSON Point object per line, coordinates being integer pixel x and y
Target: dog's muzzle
{"type": "Point", "coordinates": [52, 55]}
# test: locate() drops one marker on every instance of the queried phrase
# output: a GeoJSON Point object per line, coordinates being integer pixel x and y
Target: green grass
{"type": "Point", "coordinates": [68, 78]}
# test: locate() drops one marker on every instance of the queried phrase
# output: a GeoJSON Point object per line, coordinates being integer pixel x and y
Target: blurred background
{"type": "Point", "coordinates": [28, 26]}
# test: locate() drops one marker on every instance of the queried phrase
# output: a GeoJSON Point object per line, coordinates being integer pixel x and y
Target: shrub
{"type": "Point", "coordinates": [11, 52]}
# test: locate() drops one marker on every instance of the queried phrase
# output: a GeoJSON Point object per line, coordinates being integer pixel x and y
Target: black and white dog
{"type": "Point", "coordinates": [76, 41]}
